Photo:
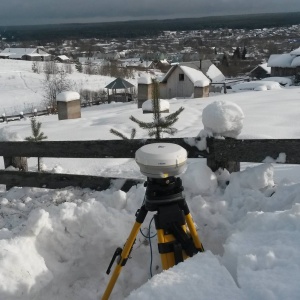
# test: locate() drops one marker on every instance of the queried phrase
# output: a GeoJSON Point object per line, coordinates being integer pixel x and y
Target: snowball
{"type": "Point", "coordinates": [199, 179]}
{"type": "Point", "coordinates": [223, 118]}
{"type": "Point", "coordinates": [67, 96]}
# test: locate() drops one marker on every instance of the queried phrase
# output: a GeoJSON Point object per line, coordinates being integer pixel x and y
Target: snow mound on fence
{"type": "Point", "coordinates": [7, 135]}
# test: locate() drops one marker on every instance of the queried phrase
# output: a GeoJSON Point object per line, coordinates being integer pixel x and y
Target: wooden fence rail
{"type": "Point", "coordinates": [88, 149]}
{"type": "Point", "coordinates": [225, 153]}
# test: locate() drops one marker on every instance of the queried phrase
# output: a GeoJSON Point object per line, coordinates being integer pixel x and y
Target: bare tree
{"type": "Point", "coordinates": [50, 68]}
{"type": "Point", "coordinates": [53, 85]}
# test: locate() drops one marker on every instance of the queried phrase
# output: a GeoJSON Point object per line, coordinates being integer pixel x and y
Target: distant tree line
{"type": "Point", "coordinates": [137, 29]}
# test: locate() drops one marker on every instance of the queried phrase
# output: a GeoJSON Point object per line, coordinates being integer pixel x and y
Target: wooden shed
{"type": "Point", "coordinates": [68, 105]}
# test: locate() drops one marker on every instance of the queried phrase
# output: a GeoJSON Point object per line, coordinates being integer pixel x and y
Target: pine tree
{"type": "Point", "coordinates": [78, 67]}
{"type": "Point", "coordinates": [37, 136]}
{"type": "Point", "coordinates": [237, 53]}
{"type": "Point", "coordinates": [244, 53]}
{"type": "Point", "coordinates": [159, 125]}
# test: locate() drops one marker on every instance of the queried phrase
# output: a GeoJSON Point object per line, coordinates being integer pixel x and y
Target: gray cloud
{"type": "Point", "coordinates": [18, 12]}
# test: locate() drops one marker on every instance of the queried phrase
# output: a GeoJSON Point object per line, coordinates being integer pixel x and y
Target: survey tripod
{"type": "Point", "coordinates": [176, 233]}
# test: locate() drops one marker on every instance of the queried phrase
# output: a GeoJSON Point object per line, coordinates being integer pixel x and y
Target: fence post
{"type": "Point", "coordinates": [215, 164]}
{"type": "Point", "coordinates": [225, 89]}
{"type": "Point", "coordinates": [17, 162]}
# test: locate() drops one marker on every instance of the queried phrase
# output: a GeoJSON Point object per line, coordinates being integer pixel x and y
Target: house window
{"type": "Point", "coordinates": [181, 77]}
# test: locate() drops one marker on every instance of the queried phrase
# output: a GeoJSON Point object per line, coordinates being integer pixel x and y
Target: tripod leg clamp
{"type": "Point", "coordinates": [116, 254]}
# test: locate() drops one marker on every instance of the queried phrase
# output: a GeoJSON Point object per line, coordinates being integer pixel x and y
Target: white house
{"type": "Point", "coordinates": [184, 82]}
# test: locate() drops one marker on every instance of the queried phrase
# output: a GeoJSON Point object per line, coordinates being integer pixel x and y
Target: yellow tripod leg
{"type": "Point", "coordinates": [167, 259]}
{"type": "Point", "coordinates": [193, 232]}
{"type": "Point", "coordinates": [123, 259]}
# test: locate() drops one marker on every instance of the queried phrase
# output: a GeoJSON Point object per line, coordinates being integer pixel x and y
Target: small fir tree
{"type": "Point", "coordinates": [122, 136]}
{"type": "Point", "coordinates": [37, 136]}
{"type": "Point", "coordinates": [159, 125]}
{"type": "Point", "coordinates": [78, 66]}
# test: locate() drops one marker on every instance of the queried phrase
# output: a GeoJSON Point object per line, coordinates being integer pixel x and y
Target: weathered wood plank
{"type": "Point", "coordinates": [57, 181]}
{"type": "Point", "coordinates": [255, 150]}
{"type": "Point", "coordinates": [88, 149]}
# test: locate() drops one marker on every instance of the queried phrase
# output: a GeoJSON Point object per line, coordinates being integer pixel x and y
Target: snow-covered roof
{"type": "Point", "coordinates": [263, 66]}
{"type": "Point", "coordinates": [214, 74]}
{"type": "Point", "coordinates": [19, 52]}
{"type": "Point", "coordinates": [296, 62]}
{"type": "Point", "coordinates": [295, 52]}
{"type": "Point", "coordinates": [145, 80]}
{"type": "Point", "coordinates": [280, 60]}
{"type": "Point", "coordinates": [287, 60]}
{"type": "Point", "coordinates": [67, 96]}
{"type": "Point", "coordinates": [197, 77]}
{"type": "Point", "coordinates": [63, 57]}
{"type": "Point", "coordinates": [37, 54]}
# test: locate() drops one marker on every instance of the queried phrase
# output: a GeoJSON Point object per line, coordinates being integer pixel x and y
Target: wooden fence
{"type": "Point", "coordinates": [225, 153]}
{"type": "Point", "coordinates": [20, 116]}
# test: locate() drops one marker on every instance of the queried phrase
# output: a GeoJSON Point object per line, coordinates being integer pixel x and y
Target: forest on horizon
{"type": "Point", "coordinates": [143, 28]}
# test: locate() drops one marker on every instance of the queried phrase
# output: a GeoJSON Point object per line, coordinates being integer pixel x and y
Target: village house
{"type": "Point", "coordinates": [287, 64]}
{"type": "Point", "coordinates": [261, 71]}
{"type": "Point", "coordinates": [216, 77]}
{"type": "Point", "coordinates": [184, 82]}
{"type": "Point", "coordinates": [62, 59]}
{"type": "Point", "coordinates": [32, 54]}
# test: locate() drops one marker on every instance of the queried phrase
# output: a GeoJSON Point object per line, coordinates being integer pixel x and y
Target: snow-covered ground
{"type": "Point", "coordinates": [57, 244]}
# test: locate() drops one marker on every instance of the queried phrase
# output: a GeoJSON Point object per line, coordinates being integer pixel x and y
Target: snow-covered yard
{"type": "Point", "coordinates": [57, 244]}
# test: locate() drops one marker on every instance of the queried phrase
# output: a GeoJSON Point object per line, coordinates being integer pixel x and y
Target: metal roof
{"type": "Point", "coordinates": [119, 83]}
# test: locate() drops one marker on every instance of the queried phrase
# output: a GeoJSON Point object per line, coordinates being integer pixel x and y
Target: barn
{"type": "Point", "coordinates": [32, 54]}
{"type": "Point", "coordinates": [287, 64]}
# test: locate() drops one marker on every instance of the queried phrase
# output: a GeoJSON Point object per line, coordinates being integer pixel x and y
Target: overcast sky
{"type": "Point", "coordinates": [23, 12]}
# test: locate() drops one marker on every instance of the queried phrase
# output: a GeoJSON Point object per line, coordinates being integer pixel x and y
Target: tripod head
{"type": "Point", "coordinates": [163, 192]}
{"type": "Point", "coordinates": [161, 162]}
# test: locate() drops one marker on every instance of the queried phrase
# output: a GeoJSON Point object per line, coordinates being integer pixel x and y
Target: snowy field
{"type": "Point", "coordinates": [57, 244]}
